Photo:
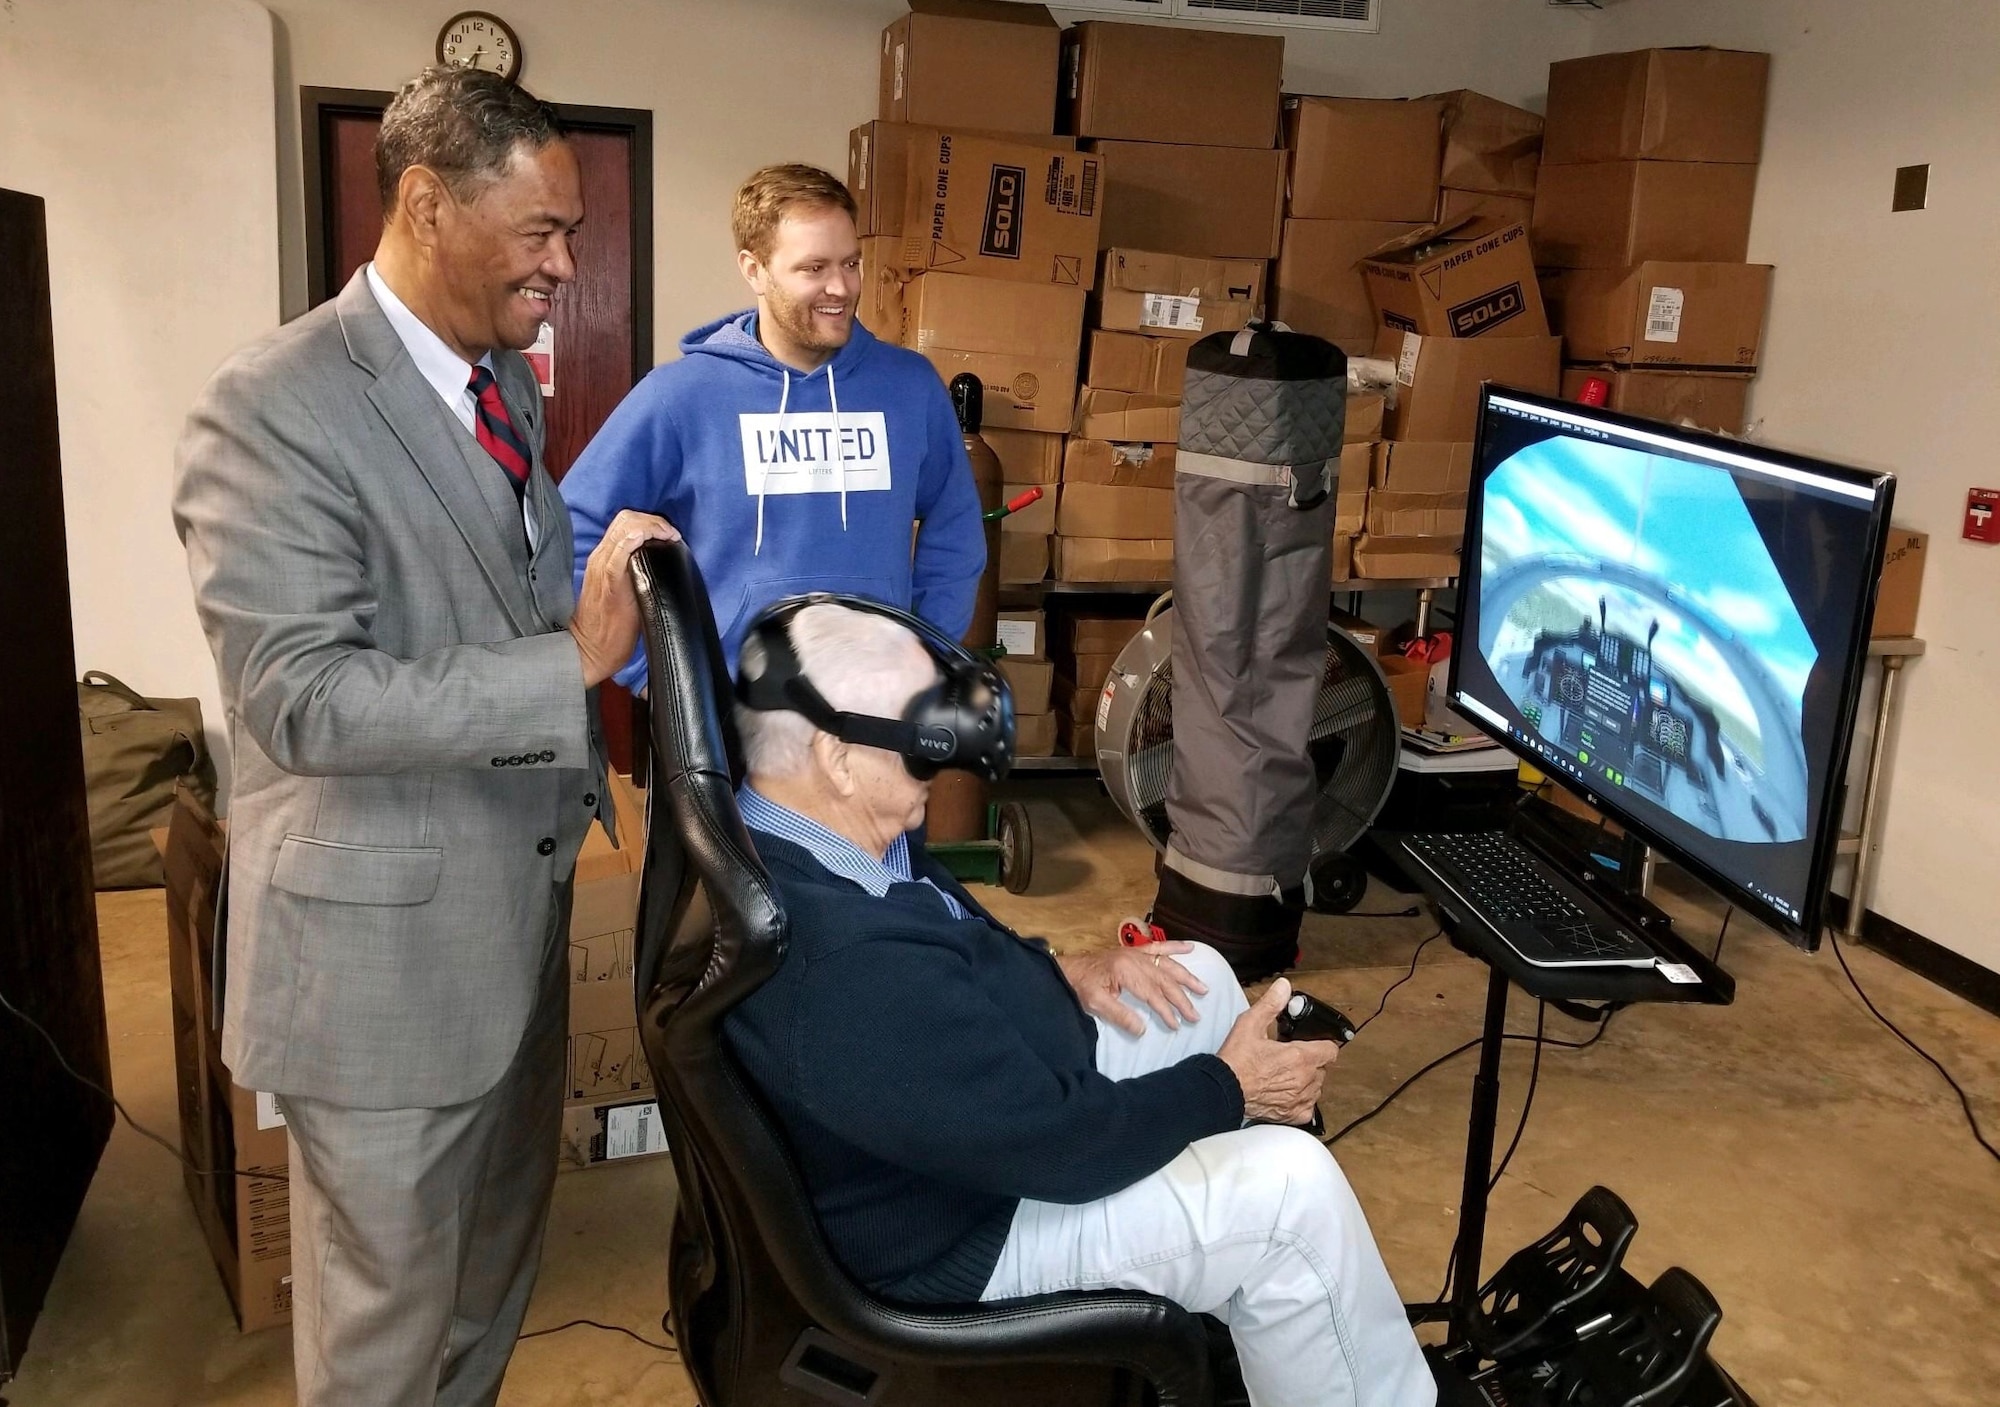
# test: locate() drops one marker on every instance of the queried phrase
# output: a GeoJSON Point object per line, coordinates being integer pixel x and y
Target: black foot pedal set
{"type": "Point", "coordinates": [1563, 1325]}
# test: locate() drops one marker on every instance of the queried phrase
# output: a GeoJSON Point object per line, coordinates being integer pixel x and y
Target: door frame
{"type": "Point", "coordinates": [317, 106]}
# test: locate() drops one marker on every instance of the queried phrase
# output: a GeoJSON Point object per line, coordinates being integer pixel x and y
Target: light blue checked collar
{"type": "Point", "coordinates": [839, 854]}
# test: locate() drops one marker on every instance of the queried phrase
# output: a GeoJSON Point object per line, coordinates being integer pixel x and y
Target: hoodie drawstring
{"type": "Point", "coordinates": [839, 444]}
{"type": "Point", "coordinates": [784, 399]}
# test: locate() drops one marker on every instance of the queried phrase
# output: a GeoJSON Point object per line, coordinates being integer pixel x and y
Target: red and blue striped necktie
{"type": "Point", "coordinates": [496, 431]}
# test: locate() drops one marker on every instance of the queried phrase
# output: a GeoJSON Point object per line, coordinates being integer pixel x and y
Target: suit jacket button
{"type": "Point", "coordinates": [590, 799]}
{"type": "Point", "coordinates": [547, 755]}
{"type": "Point", "coordinates": [499, 762]}
{"type": "Point", "coordinates": [515, 760]}
{"type": "Point", "coordinates": [545, 846]}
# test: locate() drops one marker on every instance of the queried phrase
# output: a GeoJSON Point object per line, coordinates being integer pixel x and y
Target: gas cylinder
{"type": "Point", "coordinates": [957, 810]}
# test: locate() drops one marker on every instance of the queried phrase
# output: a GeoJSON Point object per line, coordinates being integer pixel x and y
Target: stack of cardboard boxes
{"type": "Point", "coordinates": [1031, 677]}
{"type": "Point", "coordinates": [1083, 649]}
{"type": "Point", "coordinates": [1642, 223]}
{"type": "Point", "coordinates": [980, 232]}
{"type": "Point", "coordinates": [1185, 123]}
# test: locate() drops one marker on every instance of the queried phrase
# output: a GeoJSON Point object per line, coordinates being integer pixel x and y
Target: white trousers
{"type": "Point", "coordinates": [1257, 1227]}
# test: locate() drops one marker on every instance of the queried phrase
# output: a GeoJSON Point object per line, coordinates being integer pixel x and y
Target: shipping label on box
{"type": "Point", "coordinates": [1661, 314]}
{"type": "Point", "coordinates": [1138, 465]}
{"type": "Point", "coordinates": [1121, 415]}
{"type": "Point", "coordinates": [1144, 365]}
{"type": "Point", "coordinates": [595, 1134]}
{"type": "Point", "coordinates": [1176, 295]}
{"type": "Point", "coordinates": [1023, 634]}
{"type": "Point", "coordinates": [1003, 210]}
{"type": "Point", "coordinates": [1108, 510]}
{"type": "Point", "coordinates": [1441, 284]}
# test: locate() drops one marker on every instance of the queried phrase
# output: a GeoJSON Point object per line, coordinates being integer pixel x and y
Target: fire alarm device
{"type": "Point", "coordinates": [1982, 515]}
{"type": "Point", "coordinates": [477, 39]}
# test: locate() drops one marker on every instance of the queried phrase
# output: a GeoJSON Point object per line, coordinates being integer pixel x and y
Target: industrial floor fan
{"type": "Point", "coordinates": [1353, 745]}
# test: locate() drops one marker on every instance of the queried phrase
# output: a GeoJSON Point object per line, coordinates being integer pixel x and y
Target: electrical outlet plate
{"type": "Point", "coordinates": [1913, 184]}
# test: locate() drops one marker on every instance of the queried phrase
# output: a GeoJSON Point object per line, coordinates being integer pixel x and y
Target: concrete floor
{"type": "Point", "coordinates": [1816, 1175]}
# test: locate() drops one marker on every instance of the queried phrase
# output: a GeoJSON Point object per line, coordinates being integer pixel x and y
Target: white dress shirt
{"type": "Point", "coordinates": [449, 374]}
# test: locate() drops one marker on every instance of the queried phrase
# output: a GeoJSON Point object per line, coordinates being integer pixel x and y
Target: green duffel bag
{"type": "Point", "coordinates": [134, 750]}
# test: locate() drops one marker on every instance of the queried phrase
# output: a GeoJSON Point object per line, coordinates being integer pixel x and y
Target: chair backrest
{"type": "Point", "coordinates": [752, 1279]}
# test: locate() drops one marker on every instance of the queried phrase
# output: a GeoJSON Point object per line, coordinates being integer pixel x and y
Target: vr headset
{"type": "Point", "coordinates": [963, 721]}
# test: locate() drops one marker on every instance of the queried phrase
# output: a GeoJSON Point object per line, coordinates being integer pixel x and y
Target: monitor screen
{"type": "Point", "coordinates": [1674, 625]}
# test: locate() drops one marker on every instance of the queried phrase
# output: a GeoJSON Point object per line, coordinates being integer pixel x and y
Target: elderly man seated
{"type": "Point", "coordinates": [978, 1119]}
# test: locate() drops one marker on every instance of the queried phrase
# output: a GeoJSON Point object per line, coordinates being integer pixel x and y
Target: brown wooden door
{"type": "Point", "coordinates": [603, 321]}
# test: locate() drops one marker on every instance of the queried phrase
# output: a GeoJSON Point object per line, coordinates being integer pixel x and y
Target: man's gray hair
{"type": "Point", "coordinates": [464, 124]}
{"type": "Point", "coordinates": [859, 662]}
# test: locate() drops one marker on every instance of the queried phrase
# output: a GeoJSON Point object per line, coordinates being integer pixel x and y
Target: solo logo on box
{"type": "Point", "coordinates": [1001, 236]}
{"type": "Point", "coordinates": [1487, 311]}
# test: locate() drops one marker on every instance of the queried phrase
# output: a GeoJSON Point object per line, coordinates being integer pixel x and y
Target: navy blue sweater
{"type": "Point", "coordinates": [932, 1072]}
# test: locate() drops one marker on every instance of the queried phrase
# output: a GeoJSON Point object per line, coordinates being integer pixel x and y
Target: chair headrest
{"type": "Point", "coordinates": [687, 660]}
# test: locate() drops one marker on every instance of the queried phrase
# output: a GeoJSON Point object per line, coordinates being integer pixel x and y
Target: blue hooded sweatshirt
{"type": "Point", "coordinates": [783, 482]}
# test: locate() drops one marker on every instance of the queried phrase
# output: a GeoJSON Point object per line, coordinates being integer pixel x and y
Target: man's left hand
{"type": "Point", "coordinates": [1148, 973]}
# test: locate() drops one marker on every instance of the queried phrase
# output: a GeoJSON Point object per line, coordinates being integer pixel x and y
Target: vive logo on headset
{"type": "Point", "coordinates": [937, 742]}
{"type": "Point", "coordinates": [1000, 238]}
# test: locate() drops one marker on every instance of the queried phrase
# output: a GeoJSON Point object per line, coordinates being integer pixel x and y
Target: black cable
{"type": "Point", "coordinates": [131, 1122]}
{"type": "Point", "coordinates": [607, 1328]}
{"type": "Point", "coordinates": [1351, 1125]}
{"type": "Point", "coordinates": [1964, 1103]}
{"type": "Point", "coordinates": [1716, 956]}
{"type": "Point", "coordinates": [1381, 1005]}
{"type": "Point", "coordinates": [1410, 912]}
{"type": "Point", "coordinates": [1528, 1103]}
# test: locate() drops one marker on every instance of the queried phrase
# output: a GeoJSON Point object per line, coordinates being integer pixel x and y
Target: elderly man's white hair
{"type": "Point", "coordinates": [860, 663]}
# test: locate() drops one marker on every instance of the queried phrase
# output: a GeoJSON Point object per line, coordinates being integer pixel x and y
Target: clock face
{"type": "Point", "coordinates": [476, 39]}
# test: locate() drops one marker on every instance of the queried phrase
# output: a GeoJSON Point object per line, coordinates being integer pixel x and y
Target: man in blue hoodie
{"type": "Point", "coordinates": [791, 448]}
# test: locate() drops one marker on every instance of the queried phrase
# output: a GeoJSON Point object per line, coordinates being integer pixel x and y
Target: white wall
{"type": "Point", "coordinates": [1883, 350]}
{"type": "Point", "coordinates": [146, 125]}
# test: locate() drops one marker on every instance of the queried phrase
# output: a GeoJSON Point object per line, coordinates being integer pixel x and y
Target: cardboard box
{"type": "Point", "coordinates": [1034, 735]}
{"type": "Point", "coordinates": [971, 63]}
{"type": "Point", "coordinates": [1357, 462]}
{"type": "Point", "coordinates": [1365, 410]}
{"type": "Point", "coordinates": [1024, 559]}
{"type": "Point", "coordinates": [1489, 146]}
{"type": "Point", "coordinates": [605, 1060]}
{"type": "Point", "coordinates": [1439, 379]}
{"type": "Point", "coordinates": [1424, 466]}
{"type": "Point", "coordinates": [1661, 314]}
{"type": "Point", "coordinates": [1019, 339]}
{"type": "Point", "coordinates": [1317, 286]}
{"type": "Point", "coordinates": [1024, 634]}
{"type": "Point", "coordinates": [1122, 415]}
{"type": "Point", "coordinates": [1409, 680]}
{"type": "Point", "coordinates": [1709, 400]}
{"type": "Point", "coordinates": [1081, 680]}
{"type": "Point", "coordinates": [1113, 510]}
{"type": "Point", "coordinates": [879, 155]}
{"type": "Point", "coordinates": [1363, 158]}
{"type": "Point", "coordinates": [994, 208]}
{"type": "Point", "coordinates": [1343, 556]}
{"type": "Point", "coordinates": [1395, 558]}
{"type": "Point", "coordinates": [1209, 202]}
{"type": "Point", "coordinates": [1350, 510]}
{"type": "Point", "coordinates": [1031, 682]}
{"type": "Point", "coordinates": [1079, 634]}
{"type": "Point", "coordinates": [1457, 283]}
{"type": "Point", "coordinates": [1037, 517]}
{"type": "Point", "coordinates": [1146, 366]}
{"type": "Point", "coordinates": [1077, 735]}
{"type": "Point", "coordinates": [1152, 83]}
{"type": "Point", "coordinates": [1114, 559]}
{"type": "Point", "coordinates": [1398, 513]}
{"type": "Point", "coordinates": [1614, 214]}
{"type": "Point", "coordinates": [1131, 465]}
{"type": "Point", "coordinates": [611, 1132]}
{"type": "Point", "coordinates": [883, 278]}
{"type": "Point", "coordinates": [1657, 105]}
{"type": "Point", "coordinates": [1176, 295]}
{"type": "Point", "coordinates": [1026, 456]}
{"type": "Point", "coordinates": [1365, 633]}
{"type": "Point", "coordinates": [1492, 211]}
{"type": "Point", "coordinates": [1900, 587]}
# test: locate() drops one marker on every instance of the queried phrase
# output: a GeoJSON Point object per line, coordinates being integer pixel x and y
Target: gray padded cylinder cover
{"type": "Point", "coordinates": [1266, 406]}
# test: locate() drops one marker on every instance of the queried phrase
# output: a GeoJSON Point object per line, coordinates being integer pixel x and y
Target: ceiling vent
{"type": "Point", "coordinates": [1352, 15]}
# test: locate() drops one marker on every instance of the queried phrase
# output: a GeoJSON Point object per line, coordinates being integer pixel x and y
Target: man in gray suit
{"type": "Point", "coordinates": [382, 567]}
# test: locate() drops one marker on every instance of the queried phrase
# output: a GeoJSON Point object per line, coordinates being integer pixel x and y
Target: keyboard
{"type": "Point", "coordinates": [1539, 915]}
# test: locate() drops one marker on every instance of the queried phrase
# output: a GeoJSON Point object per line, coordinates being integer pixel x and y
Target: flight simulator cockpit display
{"type": "Point", "coordinates": [1672, 631]}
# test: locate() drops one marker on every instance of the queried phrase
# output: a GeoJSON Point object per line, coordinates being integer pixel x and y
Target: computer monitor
{"type": "Point", "coordinates": [1673, 625]}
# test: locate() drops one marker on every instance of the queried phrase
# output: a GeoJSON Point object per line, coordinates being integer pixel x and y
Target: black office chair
{"type": "Point", "coordinates": [762, 1311]}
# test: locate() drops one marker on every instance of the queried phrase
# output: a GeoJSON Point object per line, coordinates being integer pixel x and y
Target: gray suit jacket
{"type": "Point", "coordinates": [416, 759]}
